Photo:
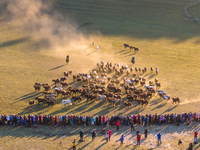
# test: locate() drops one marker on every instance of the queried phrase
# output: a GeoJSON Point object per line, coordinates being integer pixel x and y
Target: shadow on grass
{"type": "Point", "coordinates": [57, 67]}
{"type": "Point", "coordinates": [27, 97]}
{"type": "Point", "coordinates": [13, 42]}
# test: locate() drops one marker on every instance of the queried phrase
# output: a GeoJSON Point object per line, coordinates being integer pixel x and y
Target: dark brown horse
{"type": "Point", "coordinates": [175, 99]}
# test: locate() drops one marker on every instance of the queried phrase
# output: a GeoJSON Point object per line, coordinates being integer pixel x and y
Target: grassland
{"type": "Point", "coordinates": [165, 38]}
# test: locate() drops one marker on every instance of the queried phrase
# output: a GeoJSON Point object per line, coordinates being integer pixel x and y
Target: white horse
{"type": "Point", "coordinates": [88, 77]}
{"type": "Point", "coordinates": [165, 97]}
{"type": "Point", "coordinates": [148, 86]}
{"type": "Point", "coordinates": [66, 102]}
{"type": "Point", "coordinates": [101, 97]}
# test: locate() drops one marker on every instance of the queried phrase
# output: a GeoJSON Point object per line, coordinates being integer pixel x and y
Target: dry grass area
{"type": "Point", "coordinates": [34, 42]}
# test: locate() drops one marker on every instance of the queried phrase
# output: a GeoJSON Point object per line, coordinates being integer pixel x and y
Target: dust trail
{"type": "Point", "coordinates": [189, 101]}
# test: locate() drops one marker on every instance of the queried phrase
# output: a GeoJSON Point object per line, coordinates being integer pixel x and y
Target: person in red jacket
{"type": "Point", "coordinates": [109, 132]}
{"type": "Point", "coordinates": [117, 124]}
{"type": "Point", "coordinates": [195, 137]}
{"type": "Point", "coordinates": [103, 120]}
{"type": "Point", "coordinates": [138, 139]}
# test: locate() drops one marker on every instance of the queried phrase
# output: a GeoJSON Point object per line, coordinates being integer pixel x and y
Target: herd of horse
{"type": "Point", "coordinates": [98, 85]}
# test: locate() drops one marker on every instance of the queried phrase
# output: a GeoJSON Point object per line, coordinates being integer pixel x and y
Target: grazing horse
{"type": "Point", "coordinates": [175, 99]}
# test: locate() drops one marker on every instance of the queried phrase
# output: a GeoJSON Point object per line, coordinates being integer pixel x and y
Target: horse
{"type": "Point", "coordinates": [166, 97]}
{"type": "Point", "coordinates": [75, 98]}
{"type": "Point", "coordinates": [56, 81]}
{"type": "Point", "coordinates": [136, 49]}
{"type": "Point", "coordinates": [66, 102]}
{"type": "Point", "coordinates": [37, 88]}
{"type": "Point", "coordinates": [131, 47]}
{"type": "Point", "coordinates": [40, 100]}
{"type": "Point", "coordinates": [31, 102]}
{"type": "Point", "coordinates": [127, 104]}
{"type": "Point", "coordinates": [101, 97]}
{"type": "Point", "coordinates": [116, 101]}
{"type": "Point", "coordinates": [63, 78]}
{"type": "Point", "coordinates": [175, 99]}
{"type": "Point", "coordinates": [64, 84]}
{"type": "Point", "coordinates": [126, 45]}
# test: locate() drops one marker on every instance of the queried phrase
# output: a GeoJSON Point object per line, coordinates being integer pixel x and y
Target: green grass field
{"type": "Point", "coordinates": [35, 39]}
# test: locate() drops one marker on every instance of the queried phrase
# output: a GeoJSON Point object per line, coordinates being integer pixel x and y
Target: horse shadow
{"type": "Point", "coordinates": [170, 109]}
{"type": "Point", "coordinates": [151, 76]}
{"type": "Point", "coordinates": [159, 106]}
{"type": "Point", "coordinates": [119, 51]}
{"type": "Point", "coordinates": [27, 97]}
{"type": "Point", "coordinates": [56, 67]}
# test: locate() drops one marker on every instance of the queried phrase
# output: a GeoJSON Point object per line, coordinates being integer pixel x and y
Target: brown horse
{"type": "Point", "coordinates": [40, 100]}
{"type": "Point", "coordinates": [64, 84]}
{"type": "Point", "coordinates": [56, 81]}
{"type": "Point", "coordinates": [37, 88]}
{"type": "Point", "coordinates": [76, 98]}
{"type": "Point", "coordinates": [175, 99]}
{"type": "Point", "coordinates": [127, 104]}
{"type": "Point", "coordinates": [31, 102]}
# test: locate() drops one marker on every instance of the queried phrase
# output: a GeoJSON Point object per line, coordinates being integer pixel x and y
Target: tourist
{"type": "Point", "coordinates": [122, 139]}
{"type": "Point", "coordinates": [138, 139]}
{"type": "Point", "coordinates": [195, 137]}
{"type": "Point", "coordinates": [74, 144]}
{"type": "Point", "coordinates": [145, 132]}
{"type": "Point", "coordinates": [117, 124]}
{"type": "Point", "coordinates": [159, 137]}
{"type": "Point", "coordinates": [107, 136]}
{"type": "Point", "coordinates": [93, 134]}
{"type": "Point", "coordinates": [109, 132]}
{"type": "Point", "coordinates": [81, 135]}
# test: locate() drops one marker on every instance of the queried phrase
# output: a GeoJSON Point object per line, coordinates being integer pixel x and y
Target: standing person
{"type": "Point", "coordinates": [132, 126]}
{"type": "Point", "coordinates": [93, 134]}
{"type": "Point", "coordinates": [109, 132]}
{"type": "Point", "coordinates": [145, 132]}
{"type": "Point", "coordinates": [74, 144]}
{"type": "Point", "coordinates": [67, 58]}
{"type": "Point", "coordinates": [195, 137]}
{"type": "Point", "coordinates": [122, 139]}
{"type": "Point", "coordinates": [81, 135]}
{"type": "Point", "coordinates": [138, 139]}
{"type": "Point", "coordinates": [138, 132]}
{"type": "Point", "coordinates": [117, 124]}
{"type": "Point", "coordinates": [159, 137]}
{"type": "Point", "coordinates": [107, 136]}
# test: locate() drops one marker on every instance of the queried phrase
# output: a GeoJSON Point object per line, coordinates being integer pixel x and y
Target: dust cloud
{"type": "Point", "coordinates": [44, 24]}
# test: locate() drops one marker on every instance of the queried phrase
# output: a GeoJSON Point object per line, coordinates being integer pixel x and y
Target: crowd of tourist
{"type": "Point", "coordinates": [63, 120]}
